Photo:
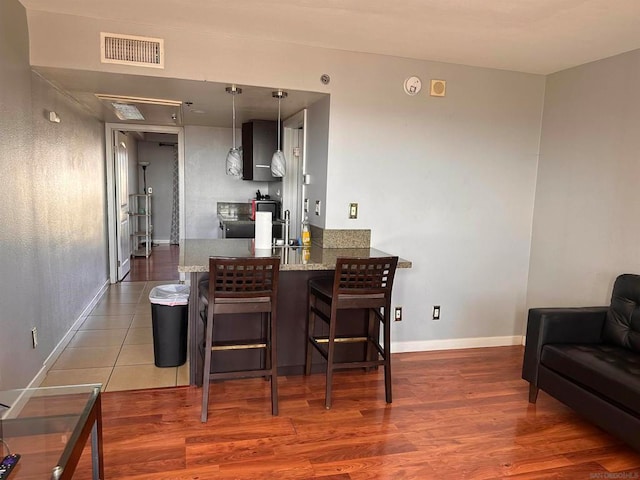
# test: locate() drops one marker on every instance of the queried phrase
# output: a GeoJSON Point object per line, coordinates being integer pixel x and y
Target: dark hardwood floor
{"type": "Point", "coordinates": [162, 264]}
{"type": "Point", "coordinates": [457, 414]}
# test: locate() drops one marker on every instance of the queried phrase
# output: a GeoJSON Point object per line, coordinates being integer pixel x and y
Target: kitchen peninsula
{"type": "Point", "coordinates": [298, 265]}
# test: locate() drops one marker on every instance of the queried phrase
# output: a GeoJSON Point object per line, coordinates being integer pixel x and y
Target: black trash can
{"type": "Point", "coordinates": [169, 315]}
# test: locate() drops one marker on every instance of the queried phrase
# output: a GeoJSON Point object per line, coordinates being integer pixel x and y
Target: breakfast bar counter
{"type": "Point", "coordinates": [297, 266]}
{"type": "Point", "coordinates": [194, 255]}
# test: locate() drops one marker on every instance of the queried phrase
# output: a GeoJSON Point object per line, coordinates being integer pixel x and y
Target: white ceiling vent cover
{"type": "Point", "coordinates": [131, 50]}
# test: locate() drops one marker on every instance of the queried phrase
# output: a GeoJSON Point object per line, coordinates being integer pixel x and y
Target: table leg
{"type": "Point", "coordinates": [95, 458]}
{"type": "Point", "coordinates": [97, 462]}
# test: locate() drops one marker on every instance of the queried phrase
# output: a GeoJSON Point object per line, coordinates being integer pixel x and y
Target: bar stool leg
{"type": "Point", "coordinates": [387, 353]}
{"type": "Point", "coordinates": [266, 357]}
{"type": "Point", "coordinates": [310, 331]}
{"type": "Point", "coordinates": [330, 355]}
{"type": "Point", "coordinates": [370, 337]}
{"type": "Point", "coordinates": [274, 363]}
{"type": "Point", "coordinates": [206, 368]}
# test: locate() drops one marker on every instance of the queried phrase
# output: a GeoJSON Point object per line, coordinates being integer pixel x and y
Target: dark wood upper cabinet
{"type": "Point", "coordinates": [259, 142]}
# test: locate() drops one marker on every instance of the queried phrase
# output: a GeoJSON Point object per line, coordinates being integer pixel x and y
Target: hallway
{"type": "Point", "coordinates": [162, 264]}
{"type": "Point", "coordinates": [114, 345]}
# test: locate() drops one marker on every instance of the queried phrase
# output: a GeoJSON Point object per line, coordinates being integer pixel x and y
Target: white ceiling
{"type": "Point", "coordinates": [208, 102]}
{"type": "Point", "coordinates": [534, 36]}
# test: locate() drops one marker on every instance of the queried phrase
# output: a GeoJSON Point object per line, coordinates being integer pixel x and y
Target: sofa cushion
{"type": "Point", "coordinates": [622, 325]}
{"type": "Point", "coordinates": [613, 372]}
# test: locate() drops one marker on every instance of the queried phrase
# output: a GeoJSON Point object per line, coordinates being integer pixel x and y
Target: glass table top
{"type": "Point", "coordinates": [43, 425]}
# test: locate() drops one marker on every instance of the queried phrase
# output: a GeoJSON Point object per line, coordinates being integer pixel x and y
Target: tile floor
{"type": "Point", "coordinates": [114, 345]}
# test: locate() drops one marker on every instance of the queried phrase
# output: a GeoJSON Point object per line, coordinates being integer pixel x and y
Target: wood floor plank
{"type": "Point", "coordinates": [162, 264]}
{"type": "Point", "coordinates": [456, 414]}
{"type": "Point", "coordinates": [411, 465]}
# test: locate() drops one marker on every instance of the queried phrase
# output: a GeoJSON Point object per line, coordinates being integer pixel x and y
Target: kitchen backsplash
{"type": "Point", "coordinates": [233, 209]}
{"type": "Point", "coordinates": [325, 238]}
{"type": "Point", "coordinates": [340, 238]}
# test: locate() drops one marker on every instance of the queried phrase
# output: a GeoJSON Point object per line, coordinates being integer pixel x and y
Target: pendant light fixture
{"type": "Point", "coordinates": [278, 162]}
{"type": "Point", "coordinates": [234, 158]}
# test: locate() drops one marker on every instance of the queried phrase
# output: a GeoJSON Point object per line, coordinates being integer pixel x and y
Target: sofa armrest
{"type": "Point", "coordinates": [559, 325]}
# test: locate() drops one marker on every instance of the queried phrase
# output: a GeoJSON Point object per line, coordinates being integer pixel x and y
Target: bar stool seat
{"type": "Point", "coordinates": [240, 285]}
{"type": "Point", "coordinates": [358, 283]}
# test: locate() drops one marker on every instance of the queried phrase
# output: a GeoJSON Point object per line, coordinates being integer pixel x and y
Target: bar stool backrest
{"type": "Point", "coordinates": [243, 278]}
{"type": "Point", "coordinates": [364, 277]}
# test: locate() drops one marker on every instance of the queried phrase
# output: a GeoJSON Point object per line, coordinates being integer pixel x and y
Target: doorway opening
{"type": "Point", "coordinates": [293, 184]}
{"type": "Point", "coordinates": [145, 202]}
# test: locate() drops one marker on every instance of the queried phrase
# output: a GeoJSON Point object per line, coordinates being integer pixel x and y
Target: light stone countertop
{"type": "Point", "coordinates": [195, 253]}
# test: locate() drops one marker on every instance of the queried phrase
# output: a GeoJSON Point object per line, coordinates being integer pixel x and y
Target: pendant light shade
{"type": "Point", "coordinates": [234, 157]}
{"type": "Point", "coordinates": [278, 162]}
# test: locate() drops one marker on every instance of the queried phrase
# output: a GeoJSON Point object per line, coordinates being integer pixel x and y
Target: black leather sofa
{"type": "Point", "coordinates": [589, 359]}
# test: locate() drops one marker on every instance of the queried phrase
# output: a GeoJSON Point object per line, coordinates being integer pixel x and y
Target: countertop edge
{"type": "Point", "coordinates": [195, 254]}
{"type": "Point", "coordinates": [402, 263]}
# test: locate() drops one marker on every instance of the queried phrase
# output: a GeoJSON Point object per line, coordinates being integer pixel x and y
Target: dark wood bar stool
{"type": "Point", "coordinates": [237, 286]}
{"type": "Point", "coordinates": [358, 283]}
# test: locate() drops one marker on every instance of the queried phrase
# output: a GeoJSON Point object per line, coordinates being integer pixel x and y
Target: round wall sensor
{"type": "Point", "coordinates": [412, 86]}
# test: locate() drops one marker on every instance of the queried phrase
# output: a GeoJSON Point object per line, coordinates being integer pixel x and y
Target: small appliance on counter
{"type": "Point", "coordinates": [237, 219]}
{"type": "Point", "coordinates": [263, 203]}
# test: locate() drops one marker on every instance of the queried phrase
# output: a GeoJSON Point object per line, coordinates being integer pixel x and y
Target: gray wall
{"type": "Point", "coordinates": [206, 182]}
{"type": "Point", "coordinates": [317, 132]}
{"type": "Point", "coordinates": [53, 254]}
{"type": "Point", "coordinates": [160, 179]}
{"type": "Point", "coordinates": [586, 229]}
{"type": "Point", "coordinates": [447, 183]}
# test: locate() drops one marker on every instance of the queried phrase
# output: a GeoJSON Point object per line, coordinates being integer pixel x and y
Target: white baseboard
{"type": "Point", "coordinates": [39, 378]}
{"type": "Point", "coordinates": [53, 356]}
{"type": "Point", "coordinates": [455, 343]}
{"type": "Point", "coordinates": [161, 241]}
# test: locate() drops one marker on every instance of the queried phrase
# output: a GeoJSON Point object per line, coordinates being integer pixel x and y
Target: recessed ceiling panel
{"type": "Point", "coordinates": [160, 99]}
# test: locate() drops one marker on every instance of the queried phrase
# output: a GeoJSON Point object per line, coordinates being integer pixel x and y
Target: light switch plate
{"type": "Point", "coordinates": [353, 210]}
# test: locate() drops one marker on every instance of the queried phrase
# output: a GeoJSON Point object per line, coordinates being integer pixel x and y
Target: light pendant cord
{"type": "Point", "coordinates": [279, 100]}
{"type": "Point", "coordinates": [233, 96]}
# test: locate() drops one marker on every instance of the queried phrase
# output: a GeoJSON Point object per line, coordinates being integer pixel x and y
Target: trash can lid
{"type": "Point", "coordinates": [171, 295]}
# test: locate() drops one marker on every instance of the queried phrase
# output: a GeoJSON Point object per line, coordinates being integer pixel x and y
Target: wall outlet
{"type": "Point", "coordinates": [34, 337]}
{"type": "Point", "coordinates": [398, 314]}
{"type": "Point", "coordinates": [436, 312]}
{"type": "Point", "coordinates": [318, 204]}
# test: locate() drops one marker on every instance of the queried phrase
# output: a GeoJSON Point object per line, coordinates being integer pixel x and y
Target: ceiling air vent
{"type": "Point", "coordinates": [132, 50]}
